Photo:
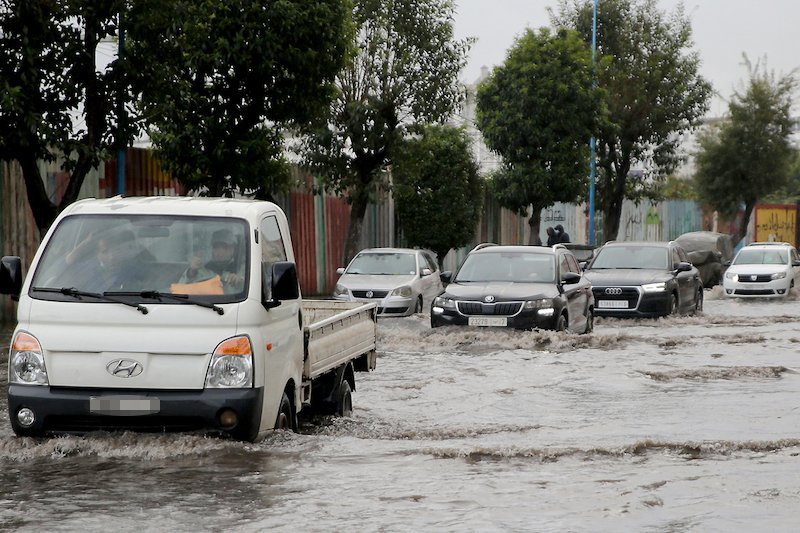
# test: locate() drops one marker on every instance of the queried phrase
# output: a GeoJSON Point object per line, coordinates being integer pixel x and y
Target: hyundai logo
{"type": "Point", "coordinates": [613, 291]}
{"type": "Point", "coordinates": [489, 299]}
{"type": "Point", "coordinates": [369, 294]}
{"type": "Point", "coordinates": [124, 368]}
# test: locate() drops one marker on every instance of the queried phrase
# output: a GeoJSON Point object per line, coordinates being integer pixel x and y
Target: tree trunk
{"type": "Point", "coordinates": [613, 211]}
{"type": "Point", "coordinates": [44, 211]}
{"type": "Point", "coordinates": [535, 222]}
{"type": "Point", "coordinates": [358, 208]}
{"type": "Point", "coordinates": [749, 205]}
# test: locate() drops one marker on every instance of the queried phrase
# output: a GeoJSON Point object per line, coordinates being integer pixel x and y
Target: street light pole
{"type": "Point", "coordinates": [592, 142]}
{"type": "Point", "coordinates": [121, 118]}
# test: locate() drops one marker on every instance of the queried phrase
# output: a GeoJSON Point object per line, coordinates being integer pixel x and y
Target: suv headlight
{"type": "Point", "coordinates": [404, 291]}
{"type": "Point", "coordinates": [541, 303]}
{"type": "Point", "coordinates": [445, 302]}
{"type": "Point", "coordinates": [655, 287]}
{"type": "Point", "coordinates": [231, 365]}
{"type": "Point", "coordinates": [731, 276]}
{"type": "Point", "coordinates": [340, 290]}
{"type": "Point", "coordinates": [26, 361]}
{"type": "Point", "coordinates": [778, 275]}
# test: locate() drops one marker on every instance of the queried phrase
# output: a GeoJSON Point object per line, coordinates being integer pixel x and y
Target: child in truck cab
{"type": "Point", "coordinates": [223, 266]}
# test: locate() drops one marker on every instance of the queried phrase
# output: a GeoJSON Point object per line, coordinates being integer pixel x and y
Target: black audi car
{"type": "Point", "coordinates": [524, 287]}
{"type": "Point", "coordinates": [644, 279]}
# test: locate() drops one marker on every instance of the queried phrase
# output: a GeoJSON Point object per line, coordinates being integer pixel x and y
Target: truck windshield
{"type": "Point", "coordinates": [204, 257]}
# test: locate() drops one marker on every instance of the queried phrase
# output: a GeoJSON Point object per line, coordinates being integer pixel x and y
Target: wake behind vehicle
{"type": "Point", "coordinates": [523, 287]}
{"type": "Point", "coordinates": [644, 279]}
{"type": "Point", "coordinates": [175, 314]}
{"type": "Point", "coordinates": [763, 270]}
{"type": "Point", "coordinates": [400, 281]}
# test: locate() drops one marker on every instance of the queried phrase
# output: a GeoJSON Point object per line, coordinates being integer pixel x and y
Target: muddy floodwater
{"type": "Point", "coordinates": [688, 423]}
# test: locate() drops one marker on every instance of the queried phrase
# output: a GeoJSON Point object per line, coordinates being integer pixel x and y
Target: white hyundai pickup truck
{"type": "Point", "coordinates": [175, 314]}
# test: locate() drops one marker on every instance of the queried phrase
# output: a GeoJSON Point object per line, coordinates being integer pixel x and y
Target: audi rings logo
{"type": "Point", "coordinates": [613, 291]}
{"type": "Point", "coordinates": [124, 368]}
{"type": "Point", "coordinates": [489, 299]}
{"type": "Point", "coordinates": [369, 294]}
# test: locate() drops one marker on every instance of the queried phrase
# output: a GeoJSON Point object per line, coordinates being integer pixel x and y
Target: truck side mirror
{"type": "Point", "coordinates": [11, 276]}
{"type": "Point", "coordinates": [281, 279]}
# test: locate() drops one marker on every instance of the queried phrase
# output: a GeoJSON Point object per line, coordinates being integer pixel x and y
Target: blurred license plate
{"type": "Point", "coordinates": [124, 405]}
{"type": "Point", "coordinates": [488, 321]}
{"type": "Point", "coordinates": [615, 304]}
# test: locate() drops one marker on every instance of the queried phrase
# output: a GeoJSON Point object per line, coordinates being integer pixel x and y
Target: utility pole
{"type": "Point", "coordinates": [593, 141]}
{"type": "Point", "coordinates": [121, 118]}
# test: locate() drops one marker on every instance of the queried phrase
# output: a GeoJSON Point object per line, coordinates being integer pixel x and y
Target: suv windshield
{"type": "Point", "coordinates": [650, 257]}
{"type": "Point", "coordinates": [762, 257]}
{"type": "Point", "coordinates": [383, 263]}
{"type": "Point", "coordinates": [115, 254]}
{"type": "Point", "coordinates": [516, 267]}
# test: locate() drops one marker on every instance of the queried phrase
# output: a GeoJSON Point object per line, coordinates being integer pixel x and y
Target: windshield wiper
{"type": "Point", "coordinates": [75, 293]}
{"type": "Point", "coordinates": [156, 295]}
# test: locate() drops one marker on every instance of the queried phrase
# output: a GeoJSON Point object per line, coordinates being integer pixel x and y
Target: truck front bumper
{"type": "Point", "coordinates": [80, 410]}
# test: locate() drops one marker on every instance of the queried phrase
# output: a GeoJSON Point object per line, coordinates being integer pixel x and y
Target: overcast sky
{"type": "Point", "coordinates": [722, 30]}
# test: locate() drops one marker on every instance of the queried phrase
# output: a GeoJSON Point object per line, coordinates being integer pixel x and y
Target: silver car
{"type": "Point", "coordinates": [402, 281]}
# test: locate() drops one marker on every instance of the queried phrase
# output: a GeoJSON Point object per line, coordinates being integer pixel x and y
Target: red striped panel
{"type": "Point", "coordinates": [304, 240]}
{"type": "Point", "coordinates": [337, 216]}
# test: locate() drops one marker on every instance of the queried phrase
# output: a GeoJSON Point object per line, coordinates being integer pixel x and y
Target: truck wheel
{"type": "Point", "coordinates": [344, 400]}
{"type": "Point", "coordinates": [284, 420]}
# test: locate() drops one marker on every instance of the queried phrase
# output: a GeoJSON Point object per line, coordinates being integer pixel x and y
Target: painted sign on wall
{"type": "Point", "coordinates": [776, 223]}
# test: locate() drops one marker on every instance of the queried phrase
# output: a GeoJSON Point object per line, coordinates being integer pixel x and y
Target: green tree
{"type": "Point", "coordinates": [404, 73]}
{"type": "Point", "coordinates": [749, 154]}
{"type": "Point", "coordinates": [654, 94]}
{"type": "Point", "coordinates": [222, 82]}
{"type": "Point", "coordinates": [437, 190]}
{"type": "Point", "coordinates": [538, 111]}
{"type": "Point", "coordinates": [55, 104]}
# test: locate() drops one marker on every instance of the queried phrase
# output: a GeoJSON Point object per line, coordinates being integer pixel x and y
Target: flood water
{"type": "Point", "coordinates": [687, 423]}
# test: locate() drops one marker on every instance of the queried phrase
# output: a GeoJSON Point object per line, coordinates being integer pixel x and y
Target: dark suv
{"type": "Point", "coordinates": [644, 279]}
{"type": "Point", "coordinates": [523, 287]}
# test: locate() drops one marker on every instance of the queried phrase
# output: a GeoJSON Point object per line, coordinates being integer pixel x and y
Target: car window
{"type": "Point", "coordinates": [676, 257]}
{"type": "Point", "coordinates": [754, 256]}
{"type": "Point", "coordinates": [573, 264]}
{"type": "Point", "coordinates": [682, 254]}
{"type": "Point", "coordinates": [794, 255]}
{"type": "Point", "coordinates": [431, 262]}
{"type": "Point", "coordinates": [563, 265]}
{"type": "Point", "coordinates": [652, 257]}
{"type": "Point", "coordinates": [515, 267]}
{"type": "Point", "coordinates": [383, 263]}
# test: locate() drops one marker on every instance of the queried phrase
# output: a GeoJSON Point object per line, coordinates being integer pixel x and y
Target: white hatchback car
{"type": "Point", "coordinates": [762, 269]}
{"type": "Point", "coordinates": [402, 281]}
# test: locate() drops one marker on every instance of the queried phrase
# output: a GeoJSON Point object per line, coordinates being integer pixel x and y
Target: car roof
{"type": "Point", "coordinates": [522, 248]}
{"type": "Point", "coordinates": [769, 244]}
{"type": "Point", "coordinates": [391, 250]}
{"type": "Point", "coordinates": [640, 243]}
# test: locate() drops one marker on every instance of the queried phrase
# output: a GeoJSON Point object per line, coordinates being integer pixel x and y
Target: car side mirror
{"type": "Point", "coordinates": [683, 267]}
{"type": "Point", "coordinates": [446, 276]}
{"type": "Point", "coordinates": [281, 279]}
{"type": "Point", "coordinates": [583, 264]}
{"type": "Point", "coordinates": [426, 272]}
{"type": "Point", "coordinates": [569, 278]}
{"type": "Point", "coordinates": [727, 263]}
{"type": "Point", "coordinates": [340, 270]}
{"type": "Point", "coordinates": [11, 276]}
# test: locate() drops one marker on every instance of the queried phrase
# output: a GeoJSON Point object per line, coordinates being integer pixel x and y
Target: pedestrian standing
{"type": "Point", "coordinates": [562, 235]}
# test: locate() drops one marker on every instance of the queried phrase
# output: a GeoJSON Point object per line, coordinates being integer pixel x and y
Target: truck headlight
{"type": "Point", "coordinates": [404, 291]}
{"type": "Point", "coordinates": [655, 287]}
{"type": "Point", "coordinates": [26, 361]}
{"type": "Point", "coordinates": [444, 302]}
{"type": "Point", "coordinates": [778, 275]}
{"type": "Point", "coordinates": [340, 290]}
{"type": "Point", "coordinates": [231, 365]}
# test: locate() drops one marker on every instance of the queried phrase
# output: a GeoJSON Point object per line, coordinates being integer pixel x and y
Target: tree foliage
{"type": "Point", "coordinates": [654, 90]}
{"type": "Point", "coordinates": [221, 82]}
{"type": "Point", "coordinates": [749, 154]}
{"type": "Point", "coordinates": [437, 190]}
{"type": "Point", "coordinates": [404, 72]}
{"type": "Point", "coordinates": [538, 111]}
{"type": "Point", "coordinates": [55, 105]}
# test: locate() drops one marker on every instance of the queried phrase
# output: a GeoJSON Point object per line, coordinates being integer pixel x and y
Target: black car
{"type": "Point", "coordinates": [644, 279]}
{"type": "Point", "coordinates": [524, 287]}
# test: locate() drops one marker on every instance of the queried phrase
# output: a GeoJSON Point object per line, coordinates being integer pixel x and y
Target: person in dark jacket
{"type": "Point", "coordinates": [562, 235]}
{"type": "Point", "coordinates": [552, 238]}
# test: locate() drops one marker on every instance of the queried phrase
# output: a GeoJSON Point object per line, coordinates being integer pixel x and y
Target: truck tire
{"type": "Point", "coordinates": [344, 400]}
{"type": "Point", "coordinates": [283, 421]}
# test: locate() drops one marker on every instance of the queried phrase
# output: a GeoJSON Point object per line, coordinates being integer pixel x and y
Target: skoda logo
{"type": "Point", "coordinates": [613, 290]}
{"type": "Point", "coordinates": [124, 368]}
{"type": "Point", "coordinates": [370, 294]}
{"type": "Point", "coordinates": [489, 299]}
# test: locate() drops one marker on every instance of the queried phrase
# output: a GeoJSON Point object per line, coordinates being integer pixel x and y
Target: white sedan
{"type": "Point", "coordinates": [762, 270]}
{"type": "Point", "coordinates": [402, 281]}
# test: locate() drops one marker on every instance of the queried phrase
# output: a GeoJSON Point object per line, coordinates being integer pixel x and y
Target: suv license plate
{"type": "Point", "coordinates": [487, 321]}
{"type": "Point", "coordinates": [614, 304]}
